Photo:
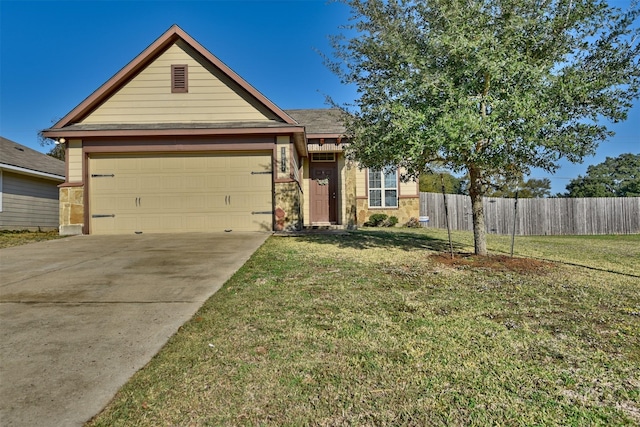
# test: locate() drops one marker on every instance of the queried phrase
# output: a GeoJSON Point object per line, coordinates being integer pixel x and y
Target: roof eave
{"type": "Point", "coordinates": [84, 133]}
{"type": "Point", "coordinates": [297, 133]}
{"type": "Point", "coordinates": [31, 172]}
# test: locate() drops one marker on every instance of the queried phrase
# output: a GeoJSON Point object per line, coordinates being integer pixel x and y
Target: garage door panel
{"type": "Point", "coordinates": [114, 225]}
{"type": "Point", "coordinates": [180, 192]}
{"type": "Point", "coordinates": [218, 183]}
{"type": "Point", "coordinates": [241, 202]}
{"type": "Point", "coordinates": [151, 182]}
{"type": "Point", "coordinates": [250, 222]}
{"type": "Point", "coordinates": [166, 165]}
{"type": "Point", "coordinates": [124, 183]}
{"type": "Point", "coordinates": [105, 184]}
{"type": "Point", "coordinates": [105, 204]}
{"type": "Point", "coordinates": [199, 182]}
{"type": "Point", "coordinates": [124, 204]}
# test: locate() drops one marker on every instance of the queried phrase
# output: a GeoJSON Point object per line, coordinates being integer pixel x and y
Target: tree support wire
{"type": "Point", "coordinates": [515, 221]}
{"type": "Point", "coordinates": [446, 214]}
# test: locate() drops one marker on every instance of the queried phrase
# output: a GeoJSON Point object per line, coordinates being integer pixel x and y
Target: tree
{"type": "Point", "coordinates": [484, 87]}
{"type": "Point", "coordinates": [615, 177]}
{"type": "Point", "coordinates": [57, 151]}
{"type": "Point", "coordinates": [430, 182]}
{"type": "Point", "coordinates": [528, 189]}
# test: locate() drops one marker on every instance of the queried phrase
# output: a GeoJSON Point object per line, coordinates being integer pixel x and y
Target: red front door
{"type": "Point", "coordinates": [324, 188]}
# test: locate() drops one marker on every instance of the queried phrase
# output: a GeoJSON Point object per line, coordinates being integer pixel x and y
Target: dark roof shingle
{"type": "Point", "coordinates": [14, 154]}
{"type": "Point", "coordinates": [319, 120]}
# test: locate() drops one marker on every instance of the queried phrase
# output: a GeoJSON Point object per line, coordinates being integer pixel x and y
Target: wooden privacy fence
{"type": "Point", "coordinates": [553, 216]}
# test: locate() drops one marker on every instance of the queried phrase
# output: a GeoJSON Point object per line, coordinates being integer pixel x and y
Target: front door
{"type": "Point", "coordinates": [324, 197]}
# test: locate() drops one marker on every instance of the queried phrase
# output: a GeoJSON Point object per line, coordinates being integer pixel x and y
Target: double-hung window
{"type": "Point", "coordinates": [383, 188]}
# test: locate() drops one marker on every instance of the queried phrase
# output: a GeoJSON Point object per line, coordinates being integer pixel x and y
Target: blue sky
{"type": "Point", "coordinates": [53, 54]}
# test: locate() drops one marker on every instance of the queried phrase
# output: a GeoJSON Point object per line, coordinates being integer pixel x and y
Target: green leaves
{"type": "Point", "coordinates": [491, 88]}
{"type": "Point", "coordinates": [453, 81]}
{"type": "Point", "coordinates": [615, 177]}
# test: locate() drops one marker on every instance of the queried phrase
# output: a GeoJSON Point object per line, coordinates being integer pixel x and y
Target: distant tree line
{"type": "Point", "coordinates": [432, 183]}
{"type": "Point", "coordinates": [615, 177]}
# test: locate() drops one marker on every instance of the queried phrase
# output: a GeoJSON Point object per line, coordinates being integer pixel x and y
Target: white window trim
{"type": "Point", "coordinates": [382, 188]}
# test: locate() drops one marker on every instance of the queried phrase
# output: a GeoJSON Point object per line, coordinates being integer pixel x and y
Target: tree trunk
{"type": "Point", "coordinates": [477, 210]}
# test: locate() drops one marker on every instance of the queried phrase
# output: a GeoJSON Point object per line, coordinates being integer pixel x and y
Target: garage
{"type": "Point", "coordinates": [176, 141]}
{"type": "Point", "coordinates": [193, 192]}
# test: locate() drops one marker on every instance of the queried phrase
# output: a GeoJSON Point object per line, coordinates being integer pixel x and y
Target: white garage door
{"type": "Point", "coordinates": [180, 193]}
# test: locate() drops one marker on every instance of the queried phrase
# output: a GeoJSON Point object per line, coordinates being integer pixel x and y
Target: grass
{"type": "Point", "coordinates": [614, 253]}
{"type": "Point", "coordinates": [371, 328]}
{"type": "Point", "coordinates": [10, 238]}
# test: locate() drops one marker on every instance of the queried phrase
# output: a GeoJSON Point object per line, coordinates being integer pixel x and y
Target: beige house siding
{"type": "Point", "coordinates": [211, 98]}
{"type": "Point", "coordinates": [28, 202]}
{"type": "Point", "coordinates": [74, 159]}
{"type": "Point", "coordinates": [361, 182]}
{"type": "Point", "coordinates": [409, 188]}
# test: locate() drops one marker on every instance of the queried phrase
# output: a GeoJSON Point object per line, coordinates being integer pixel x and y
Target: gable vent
{"type": "Point", "coordinates": [179, 79]}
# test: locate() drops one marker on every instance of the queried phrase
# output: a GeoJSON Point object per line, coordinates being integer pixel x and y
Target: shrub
{"type": "Point", "coordinates": [391, 222]}
{"type": "Point", "coordinates": [376, 220]}
{"type": "Point", "coordinates": [413, 223]}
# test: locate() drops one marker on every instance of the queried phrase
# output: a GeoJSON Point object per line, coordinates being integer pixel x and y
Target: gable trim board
{"type": "Point", "coordinates": [136, 118]}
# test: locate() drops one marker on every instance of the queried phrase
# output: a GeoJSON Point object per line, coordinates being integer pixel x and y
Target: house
{"type": "Point", "coordinates": [28, 188]}
{"type": "Point", "coordinates": [177, 141]}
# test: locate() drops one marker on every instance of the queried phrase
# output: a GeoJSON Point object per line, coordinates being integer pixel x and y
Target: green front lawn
{"type": "Point", "coordinates": [372, 329]}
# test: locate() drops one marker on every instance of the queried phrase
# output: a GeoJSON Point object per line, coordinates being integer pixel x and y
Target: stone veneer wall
{"type": "Point", "coordinates": [288, 206]}
{"type": "Point", "coordinates": [350, 207]}
{"type": "Point", "coordinates": [407, 208]}
{"type": "Point", "coordinates": [71, 210]}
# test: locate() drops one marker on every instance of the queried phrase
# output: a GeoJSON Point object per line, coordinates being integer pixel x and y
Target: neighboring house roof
{"type": "Point", "coordinates": [171, 36]}
{"type": "Point", "coordinates": [319, 122]}
{"type": "Point", "coordinates": [18, 158]}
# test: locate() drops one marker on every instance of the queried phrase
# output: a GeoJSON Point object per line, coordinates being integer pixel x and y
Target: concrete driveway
{"type": "Point", "coordinates": [80, 315]}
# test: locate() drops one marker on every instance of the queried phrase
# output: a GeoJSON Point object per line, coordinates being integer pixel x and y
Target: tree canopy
{"type": "Point", "coordinates": [526, 189]}
{"type": "Point", "coordinates": [57, 151]}
{"type": "Point", "coordinates": [615, 177]}
{"type": "Point", "coordinates": [489, 88]}
{"type": "Point", "coordinates": [431, 182]}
